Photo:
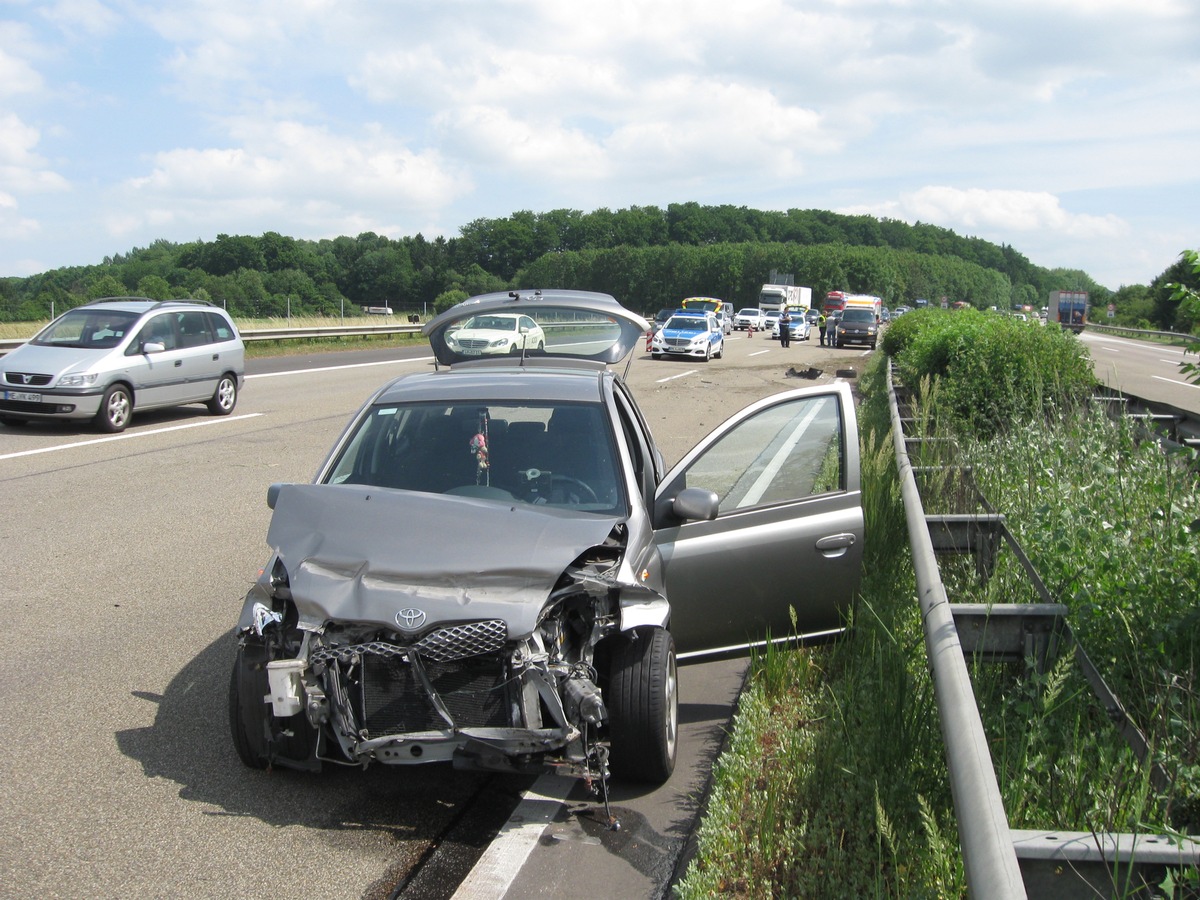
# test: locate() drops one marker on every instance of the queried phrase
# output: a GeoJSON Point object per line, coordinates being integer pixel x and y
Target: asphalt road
{"type": "Point", "coordinates": [1144, 369]}
{"type": "Point", "coordinates": [125, 560]}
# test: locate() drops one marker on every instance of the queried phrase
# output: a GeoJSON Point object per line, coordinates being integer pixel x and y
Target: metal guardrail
{"type": "Point", "coordinates": [997, 861]}
{"type": "Point", "coordinates": [989, 859]}
{"type": "Point", "coordinates": [1172, 336]}
{"type": "Point", "coordinates": [282, 334]}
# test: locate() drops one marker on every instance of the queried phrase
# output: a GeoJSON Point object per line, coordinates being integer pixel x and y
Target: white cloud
{"type": "Point", "coordinates": [1000, 212]}
{"type": "Point", "coordinates": [287, 172]}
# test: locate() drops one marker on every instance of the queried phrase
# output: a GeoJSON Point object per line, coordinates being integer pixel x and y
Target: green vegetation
{"type": "Point", "coordinates": [834, 783]}
{"type": "Point", "coordinates": [646, 256]}
{"type": "Point", "coordinates": [993, 369]}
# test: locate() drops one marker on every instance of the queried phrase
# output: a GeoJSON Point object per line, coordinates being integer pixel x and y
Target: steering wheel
{"type": "Point", "coordinates": [587, 494]}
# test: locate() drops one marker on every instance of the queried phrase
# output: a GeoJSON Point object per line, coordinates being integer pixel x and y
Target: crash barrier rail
{"type": "Point", "coordinates": [998, 861]}
{"type": "Point", "coordinates": [288, 333]}
{"type": "Point", "coordinates": [1172, 336]}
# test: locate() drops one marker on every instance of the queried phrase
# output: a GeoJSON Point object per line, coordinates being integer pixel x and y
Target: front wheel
{"type": "Point", "coordinates": [258, 736]}
{"type": "Point", "coordinates": [115, 409]}
{"type": "Point", "coordinates": [224, 398]}
{"type": "Point", "coordinates": [643, 706]}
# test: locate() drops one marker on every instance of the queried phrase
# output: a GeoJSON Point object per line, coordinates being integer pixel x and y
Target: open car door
{"type": "Point", "coordinates": [787, 533]}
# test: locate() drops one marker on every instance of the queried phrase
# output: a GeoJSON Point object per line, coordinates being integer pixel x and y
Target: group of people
{"type": "Point", "coordinates": [826, 328]}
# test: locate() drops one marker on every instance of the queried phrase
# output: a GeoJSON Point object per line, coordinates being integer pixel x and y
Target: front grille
{"type": "Point", "coordinates": [472, 343]}
{"type": "Point", "coordinates": [463, 641]}
{"type": "Point", "coordinates": [26, 379]}
{"type": "Point", "coordinates": [395, 702]}
{"type": "Point", "coordinates": [679, 342]}
{"type": "Point", "coordinates": [460, 641]}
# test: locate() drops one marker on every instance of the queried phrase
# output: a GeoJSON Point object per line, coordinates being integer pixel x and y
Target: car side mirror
{"type": "Point", "coordinates": [696, 504]}
{"type": "Point", "coordinates": [153, 347]}
{"type": "Point", "coordinates": [273, 494]}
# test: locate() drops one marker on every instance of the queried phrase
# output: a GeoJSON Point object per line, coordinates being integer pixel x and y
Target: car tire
{"type": "Point", "coordinates": [252, 723]}
{"type": "Point", "coordinates": [247, 716]}
{"type": "Point", "coordinates": [225, 397]}
{"type": "Point", "coordinates": [643, 706]}
{"type": "Point", "coordinates": [116, 409]}
{"type": "Point", "coordinates": [721, 353]}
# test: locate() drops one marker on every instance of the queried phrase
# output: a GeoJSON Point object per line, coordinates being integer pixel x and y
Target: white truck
{"type": "Point", "coordinates": [774, 297]}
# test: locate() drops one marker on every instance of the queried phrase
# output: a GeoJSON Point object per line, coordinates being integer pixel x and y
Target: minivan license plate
{"type": "Point", "coordinates": [23, 396]}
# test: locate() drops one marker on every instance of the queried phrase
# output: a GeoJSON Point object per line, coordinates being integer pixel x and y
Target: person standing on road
{"type": "Point", "coordinates": [831, 330]}
{"type": "Point", "coordinates": [785, 328]}
{"type": "Point", "coordinates": [821, 328]}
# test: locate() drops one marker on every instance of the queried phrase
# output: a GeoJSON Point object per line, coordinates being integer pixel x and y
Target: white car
{"type": "Point", "coordinates": [497, 333]}
{"type": "Point", "coordinates": [799, 328]}
{"type": "Point", "coordinates": [748, 318]}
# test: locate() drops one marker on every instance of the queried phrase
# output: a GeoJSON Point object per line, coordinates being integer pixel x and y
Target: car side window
{"type": "Point", "coordinates": [193, 329]}
{"type": "Point", "coordinates": [159, 329]}
{"type": "Point", "coordinates": [787, 452]}
{"type": "Point", "coordinates": [220, 326]}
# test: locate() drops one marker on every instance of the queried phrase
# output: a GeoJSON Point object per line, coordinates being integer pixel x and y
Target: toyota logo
{"type": "Point", "coordinates": [410, 618]}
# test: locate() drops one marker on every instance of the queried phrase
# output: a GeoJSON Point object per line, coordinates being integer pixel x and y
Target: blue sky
{"type": "Point", "coordinates": [1068, 129]}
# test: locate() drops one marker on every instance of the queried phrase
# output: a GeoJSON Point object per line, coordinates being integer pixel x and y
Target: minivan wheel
{"type": "Point", "coordinates": [224, 398]}
{"type": "Point", "coordinates": [115, 409]}
{"type": "Point", "coordinates": [643, 706]}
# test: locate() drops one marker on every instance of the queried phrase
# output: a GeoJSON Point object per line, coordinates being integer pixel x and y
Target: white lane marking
{"type": "Point", "coordinates": [680, 375]}
{"type": "Point", "coordinates": [754, 495]}
{"type": "Point", "coordinates": [760, 352]}
{"type": "Point", "coordinates": [500, 863]}
{"type": "Point", "coordinates": [1173, 381]}
{"type": "Point", "coordinates": [131, 434]}
{"type": "Point", "coordinates": [384, 362]}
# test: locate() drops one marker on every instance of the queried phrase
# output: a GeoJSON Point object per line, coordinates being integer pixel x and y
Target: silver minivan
{"type": "Point", "coordinates": [103, 360]}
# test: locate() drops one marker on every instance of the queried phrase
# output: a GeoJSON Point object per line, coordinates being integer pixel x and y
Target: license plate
{"type": "Point", "coordinates": [23, 396]}
{"type": "Point", "coordinates": [468, 351]}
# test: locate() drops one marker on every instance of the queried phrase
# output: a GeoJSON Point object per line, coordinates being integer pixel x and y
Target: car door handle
{"type": "Point", "coordinates": [216, 356]}
{"type": "Point", "coordinates": [178, 363]}
{"type": "Point", "coordinates": [834, 545]}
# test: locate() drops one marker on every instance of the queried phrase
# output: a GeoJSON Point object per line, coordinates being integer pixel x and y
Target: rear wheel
{"type": "Point", "coordinates": [116, 408]}
{"type": "Point", "coordinates": [643, 706]}
{"type": "Point", "coordinates": [224, 398]}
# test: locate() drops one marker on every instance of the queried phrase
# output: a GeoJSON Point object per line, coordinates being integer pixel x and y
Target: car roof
{"type": "Point", "coordinates": [142, 304]}
{"type": "Point", "coordinates": [594, 326]}
{"type": "Point", "coordinates": [498, 382]}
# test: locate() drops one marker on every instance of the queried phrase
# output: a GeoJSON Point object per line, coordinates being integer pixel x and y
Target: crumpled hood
{"type": "Point", "coordinates": [357, 553]}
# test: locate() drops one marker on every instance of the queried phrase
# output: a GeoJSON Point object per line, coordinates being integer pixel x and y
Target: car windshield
{"type": "Point", "coordinates": [90, 328]}
{"type": "Point", "coordinates": [552, 454]}
{"type": "Point", "coordinates": [492, 323]}
{"type": "Point", "coordinates": [858, 315]}
{"type": "Point", "coordinates": [687, 323]}
{"type": "Point", "coordinates": [748, 312]}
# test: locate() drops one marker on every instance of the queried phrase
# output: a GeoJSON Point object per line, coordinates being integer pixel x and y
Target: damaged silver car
{"type": "Point", "coordinates": [492, 567]}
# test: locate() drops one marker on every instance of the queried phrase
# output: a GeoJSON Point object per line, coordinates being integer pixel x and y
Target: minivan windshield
{"type": "Point", "coordinates": [858, 315]}
{"type": "Point", "coordinates": [90, 328]}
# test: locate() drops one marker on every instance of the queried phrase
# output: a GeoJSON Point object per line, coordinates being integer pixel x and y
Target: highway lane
{"type": "Point", "coordinates": [125, 561]}
{"type": "Point", "coordinates": [1143, 369]}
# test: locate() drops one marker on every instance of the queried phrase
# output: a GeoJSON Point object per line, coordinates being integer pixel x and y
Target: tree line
{"type": "Point", "coordinates": [646, 256]}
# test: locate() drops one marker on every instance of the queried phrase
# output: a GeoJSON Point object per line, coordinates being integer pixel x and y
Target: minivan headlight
{"type": "Point", "coordinates": [85, 380]}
